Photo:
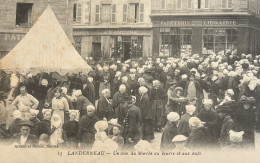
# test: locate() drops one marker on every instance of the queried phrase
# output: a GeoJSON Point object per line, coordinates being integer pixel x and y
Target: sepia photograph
{"type": "Point", "coordinates": [130, 81]}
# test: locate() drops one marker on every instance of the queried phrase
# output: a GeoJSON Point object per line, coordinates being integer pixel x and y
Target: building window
{"type": "Point", "coordinates": [219, 40]}
{"type": "Point", "coordinates": [97, 18]}
{"type": "Point", "coordinates": [24, 14]}
{"type": "Point", "coordinates": [189, 4]}
{"type": "Point", "coordinates": [113, 15]}
{"type": "Point", "coordinates": [125, 13]}
{"type": "Point", "coordinates": [163, 4]}
{"type": "Point", "coordinates": [133, 13]}
{"type": "Point", "coordinates": [106, 13]}
{"type": "Point", "coordinates": [227, 4]}
{"type": "Point", "coordinates": [176, 41]}
{"type": "Point", "coordinates": [141, 19]}
{"type": "Point", "coordinates": [179, 4]}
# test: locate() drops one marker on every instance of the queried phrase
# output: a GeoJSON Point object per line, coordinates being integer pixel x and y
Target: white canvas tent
{"type": "Point", "coordinates": [45, 48]}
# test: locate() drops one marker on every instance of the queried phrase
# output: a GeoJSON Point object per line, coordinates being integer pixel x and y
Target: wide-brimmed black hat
{"type": "Point", "coordinates": [226, 107]}
{"type": "Point", "coordinates": [26, 123]}
{"type": "Point", "coordinates": [247, 100]}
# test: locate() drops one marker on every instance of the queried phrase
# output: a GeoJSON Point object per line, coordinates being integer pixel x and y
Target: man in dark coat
{"type": "Point", "coordinates": [210, 117]}
{"type": "Point", "coordinates": [170, 131]}
{"type": "Point", "coordinates": [116, 137]}
{"type": "Point", "coordinates": [86, 132]}
{"type": "Point", "coordinates": [158, 101]}
{"type": "Point", "coordinates": [147, 116]}
{"type": "Point", "coordinates": [117, 102]}
{"type": "Point", "coordinates": [82, 103]}
{"type": "Point", "coordinates": [104, 108]}
{"type": "Point", "coordinates": [228, 124]}
{"type": "Point", "coordinates": [89, 90]}
{"type": "Point", "coordinates": [245, 120]}
{"type": "Point", "coordinates": [132, 125]}
{"type": "Point", "coordinates": [40, 94]}
{"type": "Point", "coordinates": [70, 130]}
{"type": "Point", "coordinates": [24, 137]}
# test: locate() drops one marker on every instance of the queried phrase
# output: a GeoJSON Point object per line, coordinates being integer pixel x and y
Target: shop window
{"type": "Point", "coordinates": [163, 4]}
{"type": "Point", "coordinates": [24, 14]}
{"type": "Point", "coordinates": [113, 14]}
{"type": "Point", "coordinates": [97, 16]}
{"type": "Point", "coordinates": [179, 4]}
{"type": "Point", "coordinates": [106, 13]}
{"type": "Point", "coordinates": [219, 40]}
{"type": "Point", "coordinates": [175, 42]}
{"type": "Point", "coordinates": [125, 13]}
{"type": "Point", "coordinates": [226, 4]}
{"type": "Point", "coordinates": [165, 48]}
{"type": "Point", "coordinates": [141, 19]}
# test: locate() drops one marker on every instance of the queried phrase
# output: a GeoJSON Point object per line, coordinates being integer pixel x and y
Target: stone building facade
{"type": "Point", "coordinates": [113, 28]}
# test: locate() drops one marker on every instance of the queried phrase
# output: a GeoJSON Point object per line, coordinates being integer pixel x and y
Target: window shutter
{"type": "Point", "coordinates": [179, 5]}
{"type": "Point", "coordinates": [97, 18]}
{"type": "Point", "coordinates": [189, 4]}
{"type": "Point", "coordinates": [113, 16]}
{"type": "Point", "coordinates": [230, 3]}
{"type": "Point", "coordinates": [224, 4]}
{"type": "Point", "coordinates": [206, 4]}
{"type": "Point", "coordinates": [141, 13]}
{"type": "Point", "coordinates": [163, 5]}
{"type": "Point", "coordinates": [79, 12]}
{"type": "Point", "coordinates": [124, 13]}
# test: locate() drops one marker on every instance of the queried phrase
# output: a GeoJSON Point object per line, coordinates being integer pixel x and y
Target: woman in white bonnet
{"type": "Point", "coordinates": [102, 142]}
{"type": "Point", "coordinates": [236, 140]}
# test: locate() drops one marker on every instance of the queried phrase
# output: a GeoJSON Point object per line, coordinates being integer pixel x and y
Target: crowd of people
{"type": "Point", "coordinates": [194, 101]}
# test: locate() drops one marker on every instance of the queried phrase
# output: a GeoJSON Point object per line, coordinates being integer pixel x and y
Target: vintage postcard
{"type": "Point", "coordinates": [130, 81]}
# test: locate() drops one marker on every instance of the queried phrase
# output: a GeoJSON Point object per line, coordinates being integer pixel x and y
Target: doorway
{"type": "Point", "coordinates": [97, 55]}
{"type": "Point", "coordinates": [176, 45]}
{"type": "Point", "coordinates": [126, 50]}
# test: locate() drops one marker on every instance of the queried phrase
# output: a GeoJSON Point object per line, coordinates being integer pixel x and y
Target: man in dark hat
{"type": "Point", "coordinates": [116, 137]}
{"type": "Point", "coordinates": [245, 120]}
{"type": "Point", "coordinates": [24, 137]}
{"type": "Point", "coordinates": [227, 124]}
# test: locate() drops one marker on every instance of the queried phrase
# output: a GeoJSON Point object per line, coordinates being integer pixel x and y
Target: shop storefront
{"type": "Point", "coordinates": [122, 44]}
{"type": "Point", "coordinates": [203, 35]}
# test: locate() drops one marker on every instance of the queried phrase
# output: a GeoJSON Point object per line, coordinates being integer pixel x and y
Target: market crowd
{"type": "Point", "coordinates": [207, 102]}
